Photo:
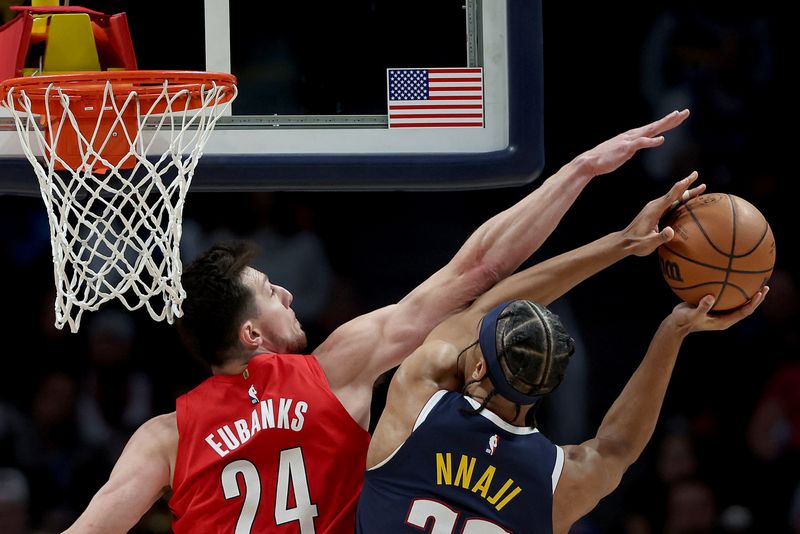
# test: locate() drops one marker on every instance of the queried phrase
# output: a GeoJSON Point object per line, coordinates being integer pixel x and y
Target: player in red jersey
{"type": "Point", "coordinates": [277, 442]}
{"type": "Point", "coordinates": [282, 430]}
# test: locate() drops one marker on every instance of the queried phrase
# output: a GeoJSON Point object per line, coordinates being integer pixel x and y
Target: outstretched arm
{"type": "Point", "coordinates": [139, 478]}
{"type": "Point", "coordinates": [510, 237]}
{"type": "Point", "coordinates": [550, 279]}
{"type": "Point", "coordinates": [359, 351]}
{"type": "Point", "coordinates": [594, 469]}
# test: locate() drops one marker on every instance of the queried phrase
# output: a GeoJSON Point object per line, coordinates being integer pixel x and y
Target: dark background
{"type": "Point", "coordinates": [725, 454]}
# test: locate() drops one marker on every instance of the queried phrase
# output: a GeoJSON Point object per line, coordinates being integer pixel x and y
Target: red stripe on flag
{"type": "Point", "coordinates": [455, 71]}
{"type": "Point", "coordinates": [433, 124]}
{"type": "Point", "coordinates": [437, 115]}
{"type": "Point", "coordinates": [457, 97]}
{"type": "Point", "coordinates": [456, 88]}
{"type": "Point", "coordinates": [446, 79]}
{"type": "Point", "coordinates": [437, 106]}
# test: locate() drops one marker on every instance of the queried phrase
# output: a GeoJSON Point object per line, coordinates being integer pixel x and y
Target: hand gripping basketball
{"type": "Point", "coordinates": [644, 234]}
{"type": "Point", "coordinates": [723, 246]}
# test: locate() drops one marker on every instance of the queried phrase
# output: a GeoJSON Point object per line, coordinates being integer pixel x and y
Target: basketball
{"type": "Point", "coordinates": [723, 246]}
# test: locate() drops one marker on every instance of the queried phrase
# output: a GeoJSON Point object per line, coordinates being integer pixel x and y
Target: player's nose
{"type": "Point", "coordinates": [286, 296]}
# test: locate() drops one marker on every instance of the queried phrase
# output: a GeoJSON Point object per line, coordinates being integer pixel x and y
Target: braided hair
{"type": "Point", "coordinates": [527, 350]}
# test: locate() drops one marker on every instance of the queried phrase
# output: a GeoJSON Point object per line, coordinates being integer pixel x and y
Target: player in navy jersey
{"type": "Point", "coordinates": [465, 465]}
{"type": "Point", "coordinates": [454, 451]}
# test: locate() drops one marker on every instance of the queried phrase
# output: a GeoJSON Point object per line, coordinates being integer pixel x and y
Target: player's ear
{"type": "Point", "coordinates": [249, 335]}
{"type": "Point", "coordinates": [479, 371]}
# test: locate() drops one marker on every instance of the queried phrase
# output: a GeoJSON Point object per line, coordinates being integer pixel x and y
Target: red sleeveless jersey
{"type": "Point", "coordinates": [268, 450]}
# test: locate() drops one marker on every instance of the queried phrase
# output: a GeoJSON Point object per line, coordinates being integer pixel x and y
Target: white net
{"type": "Point", "coordinates": [115, 218]}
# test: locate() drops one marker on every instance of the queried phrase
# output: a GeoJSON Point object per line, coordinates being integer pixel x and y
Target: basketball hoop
{"type": "Point", "coordinates": [116, 155]}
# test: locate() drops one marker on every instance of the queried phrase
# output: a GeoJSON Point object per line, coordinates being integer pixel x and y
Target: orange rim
{"type": "Point", "coordinates": [88, 87]}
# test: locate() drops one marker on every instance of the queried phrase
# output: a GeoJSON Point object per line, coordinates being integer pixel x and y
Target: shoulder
{"type": "Point", "coordinates": [355, 332]}
{"type": "Point", "coordinates": [160, 432]}
{"type": "Point", "coordinates": [354, 351]}
{"type": "Point", "coordinates": [164, 423]}
{"type": "Point", "coordinates": [430, 368]}
{"type": "Point", "coordinates": [157, 439]}
{"type": "Point", "coordinates": [430, 360]}
{"type": "Point", "coordinates": [304, 368]}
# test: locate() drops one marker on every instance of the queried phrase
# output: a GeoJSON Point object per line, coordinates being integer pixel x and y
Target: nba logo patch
{"type": "Point", "coordinates": [253, 395]}
{"type": "Point", "coordinates": [494, 441]}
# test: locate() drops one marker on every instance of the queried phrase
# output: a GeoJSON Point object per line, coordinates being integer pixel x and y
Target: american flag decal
{"type": "Point", "coordinates": [435, 98]}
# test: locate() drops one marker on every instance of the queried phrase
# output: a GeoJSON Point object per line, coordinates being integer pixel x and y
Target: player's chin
{"type": "Point", "coordinates": [298, 344]}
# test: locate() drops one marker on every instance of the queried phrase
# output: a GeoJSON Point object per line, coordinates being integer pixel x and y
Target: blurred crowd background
{"type": "Point", "coordinates": [725, 457]}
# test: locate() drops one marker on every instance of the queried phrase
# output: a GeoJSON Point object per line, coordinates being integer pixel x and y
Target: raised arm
{"type": "Point", "coordinates": [139, 478]}
{"type": "Point", "coordinates": [550, 279]}
{"type": "Point", "coordinates": [594, 469]}
{"type": "Point", "coordinates": [510, 237]}
{"type": "Point", "coordinates": [359, 351]}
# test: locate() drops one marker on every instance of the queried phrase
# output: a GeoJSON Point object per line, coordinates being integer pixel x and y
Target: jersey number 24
{"type": "Point", "coordinates": [291, 470]}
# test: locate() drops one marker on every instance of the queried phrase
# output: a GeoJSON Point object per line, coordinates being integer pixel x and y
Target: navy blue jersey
{"type": "Point", "coordinates": [462, 473]}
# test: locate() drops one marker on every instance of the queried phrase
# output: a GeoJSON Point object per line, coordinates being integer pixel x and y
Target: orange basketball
{"type": "Point", "coordinates": [723, 246]}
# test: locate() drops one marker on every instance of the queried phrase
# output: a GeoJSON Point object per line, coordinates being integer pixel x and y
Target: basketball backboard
{"type": "Point", "coordinates": [312, 107]}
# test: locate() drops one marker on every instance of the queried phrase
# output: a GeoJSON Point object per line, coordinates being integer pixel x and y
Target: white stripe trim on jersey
{"type": "Point", "coordinates": [426, 410]}
{"type": "Point", "coordinates": [558, 467]}
{"type": "Point", "coordinates": [423, 414]}
{"type": "Point", "coordinates": [505, 425]}
{"type": "Point", "coordinates": [381, 464]}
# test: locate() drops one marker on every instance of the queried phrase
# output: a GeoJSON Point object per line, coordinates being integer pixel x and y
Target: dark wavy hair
{"type": "Point", "coordinates": [216, 301]}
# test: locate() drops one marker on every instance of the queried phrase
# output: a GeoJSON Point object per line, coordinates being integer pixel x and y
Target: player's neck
{"type": "Point", "coordinates": [508, 411]}
{"type": "Point", "coordinates": [500, 406]}
{"type": "Point", "coordinates": [231, 367]}
{"type": "Point", "coordinates": [522, 418]}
